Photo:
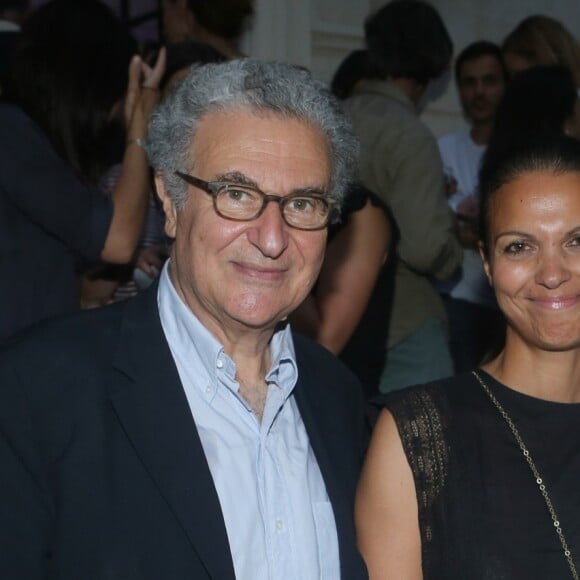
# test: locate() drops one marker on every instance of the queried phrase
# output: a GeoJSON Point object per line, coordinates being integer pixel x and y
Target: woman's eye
{"type": "Point", "coordinates": [574, 242]}
{"type": "Point", "coordinates": [516, 248]}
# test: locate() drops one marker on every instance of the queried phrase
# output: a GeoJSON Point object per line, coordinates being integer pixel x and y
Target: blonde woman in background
{"type": "Point", "coordinates": [541, 40]}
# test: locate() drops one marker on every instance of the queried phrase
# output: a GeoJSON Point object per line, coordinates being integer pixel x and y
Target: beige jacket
{"type": "Point", "coordinates": [400, 161]}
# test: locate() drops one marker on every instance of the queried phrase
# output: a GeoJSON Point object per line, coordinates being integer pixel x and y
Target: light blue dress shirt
{"type": "Point", "coordinates": [278, 517]}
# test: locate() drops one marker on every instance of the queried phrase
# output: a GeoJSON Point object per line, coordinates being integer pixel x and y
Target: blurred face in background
{"type": "Point", "coordinates": [481, 85]}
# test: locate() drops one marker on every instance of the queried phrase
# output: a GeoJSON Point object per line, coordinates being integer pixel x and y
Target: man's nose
{"type": "Point", "coordinates": [270, 232]}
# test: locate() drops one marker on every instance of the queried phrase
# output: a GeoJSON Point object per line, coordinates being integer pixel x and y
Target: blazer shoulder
{"type": "Point", "coordinates": [60, 361]}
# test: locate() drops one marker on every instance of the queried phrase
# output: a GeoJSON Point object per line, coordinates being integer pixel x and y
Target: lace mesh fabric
{"type": "Point", "coordinates": [421, 423]}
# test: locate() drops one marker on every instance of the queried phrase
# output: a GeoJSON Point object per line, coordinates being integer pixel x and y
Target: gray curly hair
{"type": "Point", "coordinates": [258, 86]}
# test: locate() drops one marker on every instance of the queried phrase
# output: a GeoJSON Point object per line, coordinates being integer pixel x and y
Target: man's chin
{"type": "Point", "coordinates": [480, 116]}
{"type": "Point", "coordinates": [257, 318]}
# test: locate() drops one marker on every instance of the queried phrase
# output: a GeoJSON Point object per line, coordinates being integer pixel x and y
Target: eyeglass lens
{"type": "Point", "coordinates": [245, 203]}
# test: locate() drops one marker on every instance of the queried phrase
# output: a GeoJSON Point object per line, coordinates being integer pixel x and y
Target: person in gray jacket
{"type": "Point", "coordinates": [410, 50]}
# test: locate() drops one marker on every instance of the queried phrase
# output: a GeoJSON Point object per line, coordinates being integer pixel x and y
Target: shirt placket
{"type": "Point", "coordinates": [274, 493]}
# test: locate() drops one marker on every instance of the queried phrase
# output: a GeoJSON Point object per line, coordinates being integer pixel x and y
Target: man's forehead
{"type": "Point", "coordinates": [480, 65]}
{"type": "Point", "coordinates": [246, 115]}
{"type": "Point", "coordinates": [263, 135]}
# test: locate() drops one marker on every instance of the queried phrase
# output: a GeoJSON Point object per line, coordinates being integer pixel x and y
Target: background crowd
{"type": "Point", "coordinates": [402, 297]}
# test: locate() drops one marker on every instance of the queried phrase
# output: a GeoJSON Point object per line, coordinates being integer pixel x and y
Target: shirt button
{"type": "Point", "coordinates": [279, 525]}
{"type": "Point", "coordinates": [220, 363]}
{"type": "Point", "coordinates": [208, 389]}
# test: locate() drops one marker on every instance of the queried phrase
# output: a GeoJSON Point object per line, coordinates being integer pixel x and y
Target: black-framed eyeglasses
{"type": "Point", "coordinates": [240, 202]}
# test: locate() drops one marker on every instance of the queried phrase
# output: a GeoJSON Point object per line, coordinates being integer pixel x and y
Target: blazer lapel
{"type": "Point", "coordinates": [153, 409]}
{"type": "Point", "coordinates": [314, 398]}
{"type": "Point", "coordinates": [314, 411]}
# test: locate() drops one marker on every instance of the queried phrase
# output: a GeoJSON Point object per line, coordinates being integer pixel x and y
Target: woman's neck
{"type": "Point", "coordinates": [549, 375]}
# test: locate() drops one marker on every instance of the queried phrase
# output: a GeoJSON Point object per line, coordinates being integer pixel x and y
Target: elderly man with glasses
{"type": "Point", "coordinates": [187, 433]}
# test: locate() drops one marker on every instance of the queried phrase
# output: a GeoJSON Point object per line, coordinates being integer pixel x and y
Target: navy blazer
{"type": "Point", "coordinates": [103, 475]}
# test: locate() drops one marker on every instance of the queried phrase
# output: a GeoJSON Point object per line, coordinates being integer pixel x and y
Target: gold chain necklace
{"type": "Point", "coordinates": [535, 472]}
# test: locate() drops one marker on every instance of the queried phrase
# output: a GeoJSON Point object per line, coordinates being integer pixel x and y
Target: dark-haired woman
{"type": "Point", "coordinates": [58, 136]}
{"type": "Point", "coordinates": [476, 476]}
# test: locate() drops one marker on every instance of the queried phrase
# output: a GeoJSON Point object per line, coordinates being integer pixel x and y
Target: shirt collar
{"type": "Point", "coordinates": [283, 370]}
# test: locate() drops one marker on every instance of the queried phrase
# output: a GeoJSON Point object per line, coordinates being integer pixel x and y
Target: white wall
{"type": "Point", "coordinates": [312, 33]}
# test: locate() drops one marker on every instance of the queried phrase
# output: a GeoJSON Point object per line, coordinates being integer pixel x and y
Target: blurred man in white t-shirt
{"type": "Point", "coordinates": [481, 77]}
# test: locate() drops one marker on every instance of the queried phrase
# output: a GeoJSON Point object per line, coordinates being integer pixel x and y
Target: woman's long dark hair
{"type": "Point", "coordinates": [69, 73]}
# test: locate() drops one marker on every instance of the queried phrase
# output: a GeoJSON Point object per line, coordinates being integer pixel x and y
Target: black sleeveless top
{"type": "Point", "coordinates": [481, 514]}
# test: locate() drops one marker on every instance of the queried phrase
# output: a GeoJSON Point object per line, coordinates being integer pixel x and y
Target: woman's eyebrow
{"type": "Point", "coordinates": [516, 233]}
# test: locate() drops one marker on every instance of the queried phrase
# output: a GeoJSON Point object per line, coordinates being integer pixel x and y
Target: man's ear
{"type": "Point", "coordinates": [168, 206]}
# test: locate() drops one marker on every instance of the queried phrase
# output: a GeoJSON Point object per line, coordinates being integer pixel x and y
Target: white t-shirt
{"type": "Point", "coordinates": [461, 160]}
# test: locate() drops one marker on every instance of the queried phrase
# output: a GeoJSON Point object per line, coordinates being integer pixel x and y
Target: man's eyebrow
{"type": "Point", "coordinates": [236, 177]}
{"type": "Point", "coordinates": [239, 178]}
{"type": "Point", "coordinates": [310, 191]}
